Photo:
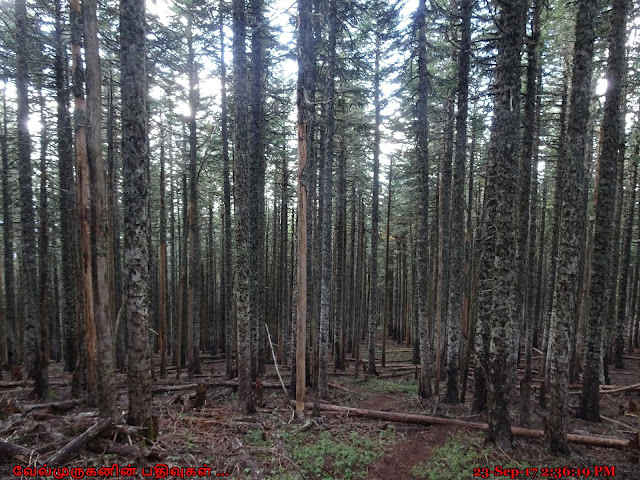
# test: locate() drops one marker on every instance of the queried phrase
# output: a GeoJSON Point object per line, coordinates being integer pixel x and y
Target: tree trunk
{"type": "Point", "coordinates": [444, 335]}
{"type": "Point", "coordinates": [242, 197]}
{"type": "Point", "coordinates": [623, 312]}
{"type": "Point", "coordinates": [422, 244]}
{"type": "Point", "coordinates": [604, 196]}
{"type": "Point", "coordinates": [43, 247]}
{"type": "Point", "coordinates": [525, 242]}
{"type": "Point", "coordinates": [326, 307]}
{"type": "Point", "coordinates": [66, 195]}
{"type": "Point", "coordinates": [135, 158]}
{"type": "Point", "coordinates": [564, 293]}
{"type": "Point", "coordinates": [33, 354]}
{"type": "Point", "coordinates": [555, 234]}
{"type": "Point", "coordinates": [227, 273]}
{"type": "Point", "coordinates": [503, 150]}
{"type": "Point", "coordinates": [162, 267]}
{"type": "Point", "coordinates": [257, 167]}
{"type": "Point", "coordinates": [457, 202]}
{"type": "Point", "coordinates": [105, 373]}
{"type": "Point", "coordinates": [386, 312]}
{"type": "Point", "coordinates": [84, 197]}
{"type": "Point", "coordinates": [193, 235]}
{"type": "Point", "coordinates": [305, 79]}
{"type": "Point", "coordinates": [7, 237]}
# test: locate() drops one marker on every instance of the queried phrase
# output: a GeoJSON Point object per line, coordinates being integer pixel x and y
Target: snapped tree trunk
{"type": "Point", "coordinates": [102, 296]}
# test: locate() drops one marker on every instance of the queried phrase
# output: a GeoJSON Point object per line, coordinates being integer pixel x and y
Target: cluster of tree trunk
{"type": "Point", "coordinates": [155, 235]}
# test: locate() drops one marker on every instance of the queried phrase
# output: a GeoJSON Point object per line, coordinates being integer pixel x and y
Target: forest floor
{"type": "Point", "coordinates": [273, 445]}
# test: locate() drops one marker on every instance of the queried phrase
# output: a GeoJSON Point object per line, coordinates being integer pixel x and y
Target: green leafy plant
{"type": "Point", "coordinates": [375, 384]}
{"type": "Point", "coordinates": [455, 460]}
{"type": "Point", "coordinates": [335, 455]}
{"type": "Point", "coordinates": [257, 438]}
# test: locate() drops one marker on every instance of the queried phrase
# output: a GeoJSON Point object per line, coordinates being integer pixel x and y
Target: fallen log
{"type": "Point", "coordinates": [611, 389]}
{"type": "Point", "coordinates": [220, 383]}
{"type": "Point", "coordinates": [103, 447]}
{"type": "Point", "coordinates": [77, 443]}
{"type": "Point", "coordinates": [622, 389]}
{"type": "Point", "coordinates": [17, 452]}
{"type": "Point", "coordinates": [173, 388]}
{"type": "Point", "coordinates": [593, 441]}
{"type": "Point", "coordinates": [52, 407]}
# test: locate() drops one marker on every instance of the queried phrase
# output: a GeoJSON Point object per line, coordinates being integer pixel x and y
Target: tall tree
{"type": "Point", "coordinates": [422, 244]}
{"type": "Point", "coordinates": [88, 332]}
{"type": "Point", "coordinates": [564, 294]}
{"type": "Point", "coordinates": [243, 207]}
{"type": "Point", "coordinates": [623, 313]}
{"type": "Point", "coordinates": [33, 347]}
{"type": "Point", "coordinates": [326, 307]}
{"type": "Point", "coordinates": [305, 79]}
{"type": "Point", "coordinates": [504, 145]}
{"type": "Point", "coordinates": [227, 275]}
{"type": "Point", "coordinates": [7, 238]}
{"type": "Point", "coordinates": [457, 203]}
{"type": "Point", "coordinates": [135, 158]}
{"type": "Point", "coordinates": [604, 207]}
{"type": "Point", "coordinates": [193, 232]}
{"type": "Point", "coordinates": [374, 301]}
{"type": "Point", "coordinates": [162, 267]}
{"type": "Point", "coordinates": [257, 169]}
{"type": "Point", "coordinates": [106, 390]}
{"type": "Point", "coordinates": [68, 226]}
{"type": "Point", "coordinates": [524, 199]}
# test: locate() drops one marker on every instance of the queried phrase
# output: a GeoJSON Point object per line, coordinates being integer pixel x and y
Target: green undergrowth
{"type": "Point", "coordinates": [319, 454]}
{"type": "Point", "coordinates": [383, 385]}
{"type": "Point", "coordinates": [457, 458]}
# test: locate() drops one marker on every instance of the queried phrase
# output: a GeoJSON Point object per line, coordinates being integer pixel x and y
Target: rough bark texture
{"type": "Point", "coordinates": [524, 240]}
{"type": "Point", "coordinates": [43, 248]}
{"type": "Point", "coordinates": [374, 309]}
{"type": "Point", "coordinates": [388, 294]}
{"type": "Point", "coordinates": [326, 307]}
{"type": "Point", "coordinates": [102, 296]}
{"type": "Point", "coordinates": [242, 197]}
{"type": "Point", "coordinates": [305, 66]}
{"type": "Point", "coordinates": [8, 243]}
{"type": "Point", "coordinates": [624, 313]}
{"type": "Point", "coordinates": [422, 244]}
{"type": "Point", "coordinates": [503, 149]}
{"type": "Point", "coordinates": [257, 162]}
{"type": "Point", "coordinates": [604, 196]}
{"type": "Point", "coordinates": [342, 296]}
{"type": "Point", "coordinates": [564, 293]}
{"type": "Point", "coordinates": [32, 353]}
{"type": "Point", "coordinates": [447, 341]}
{"type": "Point", "coordinates": [66, 195]}
{"type": "Point", "coordinates": [227, 273]}
{"type": "Point", "coordinates": [457, 204]}
{"type": "Point", "coordinates": [193, 234]}
{"type": "Point", "coordinates": [135, 158]}
{"type": "Point", "coordinates": [87, 336]}
{"type": "Point", "coordinates": [162, 266]}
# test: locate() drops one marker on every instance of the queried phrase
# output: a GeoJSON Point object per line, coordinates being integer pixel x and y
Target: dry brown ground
{"type": "Point", "coordinates": [270, 443]}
